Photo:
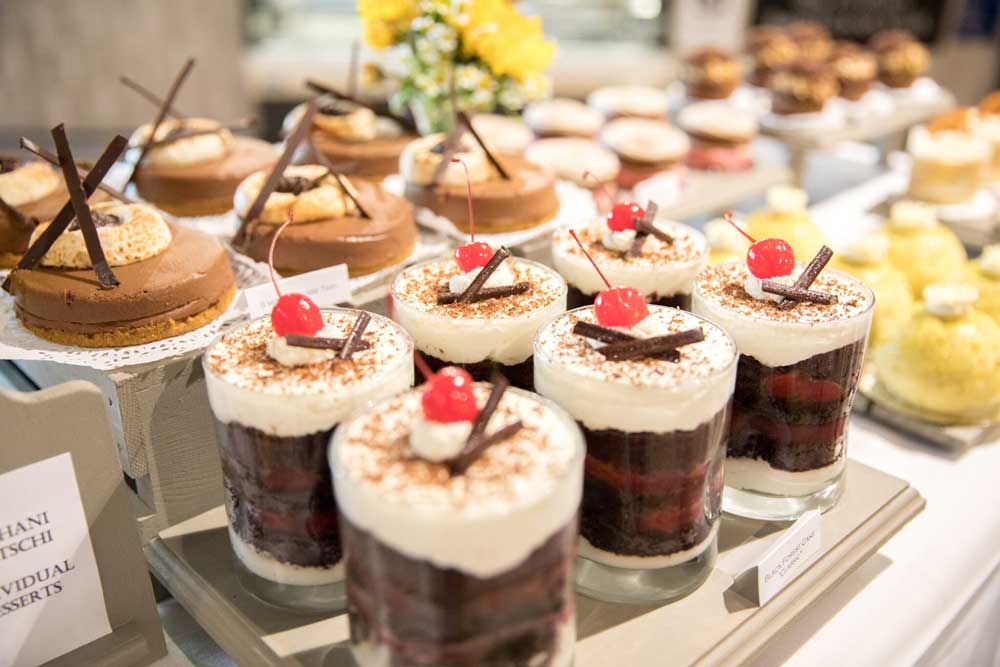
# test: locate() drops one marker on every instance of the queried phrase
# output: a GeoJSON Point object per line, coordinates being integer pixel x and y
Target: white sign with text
{"type": "Point", "coordinates": [51, 599]}
{"type": "Point", "coordinates": [326, 287]}
{"type": "Point", "coordinates": [789, 556]}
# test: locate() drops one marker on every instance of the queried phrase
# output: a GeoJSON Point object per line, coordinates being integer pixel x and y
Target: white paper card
{"type": "Point", "coordinates": [326, 287]}
{"type": "Point", "coordinates": [788, 557]}
{"type": "Point", "coordinates": [51, 600]}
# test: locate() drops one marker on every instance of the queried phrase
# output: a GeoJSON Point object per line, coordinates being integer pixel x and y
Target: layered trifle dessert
{"type": "Point", "coordinates": [652, 394]}
{"type": "Point", "coordinates": [459, 510]}
{"type": "Point", "coordinates": [278, 387]}
{"type": "Point", "coordinates": [801, 334]}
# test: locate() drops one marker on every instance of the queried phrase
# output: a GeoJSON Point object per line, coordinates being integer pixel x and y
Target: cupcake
{"type": "Point", "coordinates": [770, 50]}
{"type": "Point", "coordinates": [711, 73]}
{"type": "Point", "coordinates": [856, 69]}
{"type": "Point", "coordinates": [785, 217]}
{"type": "Point", "coordinates": [644, 147]}
{"type": "Point", "coordinates": [630, 100]}
{"type": "Point", "coordinates": [193, 165]}
{"type": "Point", "coordinates": [803, 87]}
{"type": "Point", "coordinates": [984, 275]}
{"type": "Point", "coordinates": [505, 134]}
{"type": "Point", "coordinates": [921, 247]}
{"type": "Point", "coordinates": [570, 158]}
{"type": "Point", "coordinates": [902, 59]}
{"type": "Point", "coordinates": [562, 117]}
{"type": "Point", "coordinates": [949, 162]}
{"type": "Point", "coordinates": [946, 362]}
{"type": "Point", "coordinates": [813, 40]}
{"type": "Point", "coordinates": [720, 136]}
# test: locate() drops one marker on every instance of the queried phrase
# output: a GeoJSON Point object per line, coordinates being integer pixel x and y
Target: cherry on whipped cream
{"type": "Point", "coordinates": [615, 306]}
{"type": "Point", "coordinates": [294, 313]}
{"type": "Point", "coordinates": [622, 215]}
{"type": "Point", "coordinates": [767, 258]}
{"type": "Point", "coordinates": [472, 255]}
{"type": "Point", "coordinates": [449, 397]}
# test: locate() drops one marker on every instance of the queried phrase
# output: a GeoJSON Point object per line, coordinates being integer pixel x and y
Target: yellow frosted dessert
{"type": "Point", "coordinates": [949, 161]}
{"type": "Point", "coordinates": [984, 274]}
{"type": "Point", "coordinates": [785, 217]}
{"type": "Point", "coordinates": [866, 258]}
{"type": "Point", "coordinates": [946, 361]}
{"type": "Point", "coordinates": [725, 244]}
{"type": "Point", "coordinates": [921, 247]}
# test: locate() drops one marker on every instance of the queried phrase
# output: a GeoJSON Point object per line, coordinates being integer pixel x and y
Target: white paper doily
{"type": "Point", "coordinates": [576, 205]}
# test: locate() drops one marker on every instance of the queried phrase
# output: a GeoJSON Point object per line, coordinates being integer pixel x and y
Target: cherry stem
{"type": "Point", "coordinates": [600, 186]}
{"type": "Point", "coordinates": [425, 370]}
{"type": "Point", "coordinates": [270, 252]}
{"type": "Point", "coordinates": [468, 186]}
{"type": "Point", "coordinates": [728, 217]}
{"type": "Point", "coordinates": [586, 254]}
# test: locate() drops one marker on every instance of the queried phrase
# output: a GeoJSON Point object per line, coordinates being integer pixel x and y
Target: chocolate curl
{"type": "Point", "coordinates": [478, 442]}
{"type": "Point", "coordinates": [635, 250]}
{"type": "Point", "coordinates": [149, 95]}
{"type": "Point", "coordinates": [321, 343]}
{"type": "Point", "coordinates": [500, 385]}
{"type": "Point", "coordinates": [480, 445]}
{"type": "Point", "coordinates": [469, 295]}
{"type": "Point", "coordinates": [62, 219]}
{"type": "Point", "coordinates": [485, 294]}
{"type": "Point", "coordinates": [32, 147]}
{"type": "Point", "coordinates": [342, 181]}
{"type": "Point", "coordinates": [482, 144]}
{"type": "Point", "coordinates": [327, 89]}
{"type": "Point", "coordinates": [291, 143]}
{"type": "Point", "coordinates": [647, 347]}
{"type": "Point", "coordinates": [603, 334]}
{"type": "Point", "coordinates": [646, 226]}
{"type": "Point", "coordinates": [812, 270]}
{"type": "Point", "coordinates": [78, 198]}
{"type": "Point", "coordinates": [797, 294]}
{"type": "Point", "coordinates": [237, 125]}
{"type": "Point", "coordinates": [162, 113]}
{"type": "Point", "coordinates": [19, 219]}
{"type": "Point", "coordinates": [351, 343]}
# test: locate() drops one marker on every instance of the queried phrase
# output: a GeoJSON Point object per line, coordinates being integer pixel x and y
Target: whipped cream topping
{"type": "Point", "coordinates": [246, 385]}
{"type": "Point", "coordinates": [483, 522]}
{"type": "Point", "coordinates": [562, 116]}
{"type": "Point", "coordinates": [645, 140]}
{"type": "Point", "coordinates": [986, 125]}
{"type": "Point", "coordinates": [129, 233]}
{"type": "Point", "coordinates": [285, 354]}
{"type": "Point", "coordinates": [989, 261]}
{"type": "Point", "coordinates": [776, 337]}
{"type": "Point", "coordinates": [28, 183]}
{"type": "Point", "coordinates": [787, 199]}
{"type": "Point", "coordinates": [949, 299]}
{"type": "Point", "coordinates": [866, 249]}
{"type": "Point", "coordinates": [646, 394]}
{"type": "Point", "coordinates": [663, 269]}
{"type": "Point", "coordinates": [323, 201]}
{"type": "Point", "coordinates": [718, 119]}
{"type": "Point", "coordinates": [754, 286]}
{"type": "Point", "coordinates": [503, 275]}
{"type": "Point", "coordinates": [184, 152]}
{"type": "Point", "coordinates": [619, 241]}
{"type": "Point", "coordinates": [495, 329]}
{"type": "Point", "coordinates": [503, 133]}
{"type": "Point", "coordinates": [946, 146]}
{"type": "Point", "coordinates": [344, 121]}
{"type": "Point", "coordinates": [437, 441]}
{"type": "Point", "coordinates": [907, 215]}
{"type": "Point", "coordinates": [722, 236]}
{"type": "Point", "coordinates": [569, 157]}
{"type": "Point", "coordinates": [630, 100]}
{"type": "Point", "coordinates": [421, 157]}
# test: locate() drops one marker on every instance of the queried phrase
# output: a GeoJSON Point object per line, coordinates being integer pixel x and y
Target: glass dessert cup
{"type": "Point", "coordinates": [656, 448]}
{"type": "Point", "coordinates": [481, 337]}
{"type": "Point", "coordinates": [444, 575]}
{"type": "Point", "coordinates": [795, 386]}
{"type": "Point", "coordinates": [273, 439]}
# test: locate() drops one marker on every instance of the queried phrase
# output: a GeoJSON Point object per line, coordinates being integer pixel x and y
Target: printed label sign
{"type": "Point", "coordinates": [326, 287]}
{"type": "Point", "coordinates": [788, 557]}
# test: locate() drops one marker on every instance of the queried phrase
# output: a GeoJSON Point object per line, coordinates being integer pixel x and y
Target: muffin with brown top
{"type": "Point", "coordinates": [770, 49]}
{"type": "Point", "coordinates": [813, 40]}
{"type": "Point", "coordinates": [711, 73]}
{"type": "Point", "coordinates": [856, 69]}
{"type": "Point", "coordinates": [805, 87]}
{"type": "Point", "coordinates": [902, 59]}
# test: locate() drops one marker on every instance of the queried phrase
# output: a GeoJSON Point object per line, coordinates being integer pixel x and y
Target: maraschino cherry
{"type": "Point", "coordinates": [472, 255]}
{"type": "Point", "coordinates": [449, 396]}
{"type": "Point", "coordinates": [767, 258]}
{"type": "Point", "coordinates": [615, 306]}
{"type": "Point", "coordinates": [622, 215]}
{"type": "Point", "coordinates": [294, 313]}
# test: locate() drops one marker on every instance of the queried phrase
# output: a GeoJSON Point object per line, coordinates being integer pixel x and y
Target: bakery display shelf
{"type": "Point", "coordinates": [713, 626]}
{"type": "Point", "coordinates": [708, 192]}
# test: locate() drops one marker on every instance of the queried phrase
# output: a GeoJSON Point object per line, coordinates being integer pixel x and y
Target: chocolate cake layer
{"type": "Point", "coordinates": [281, 493]}
{"type": "Point", "coordinates": [576, 299]}
{"type": "Point", "coordinates": [377, 158]}
{"type": "Point", "coordinates": [424, 615]}
{"type": "Point", "coordinates": [653, 494]}
{"type": "Point", "coordinates": [794, 416]}
{"type": "Point", "coordinates": [520, 375]}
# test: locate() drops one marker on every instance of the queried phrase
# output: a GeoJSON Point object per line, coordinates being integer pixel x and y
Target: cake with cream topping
{"type": "Point", "coordinates": [562, 117]}
{"type": "Point", "coordinates": [711, 73]}
{"type": "Point", "coordinates": [572, 158]}
{"type": "Point", "coordinates": [983, 273]}
{"type": "Point", "coordinates": [803, 87]}
{"type": "Point", "coordinates": [949, 162]}
{"type": "Point", "coordinates": [771, 50]}
{"type": "Point", "coordinates": [506, 134]}
{"type": "Point", "coordinates": [812, 38]}
{"type": "Point", "coordinates": [856, 69]}
{"type": "Point", "coordinates": [922, 248]}
{"type": "Point", "coordinates": [720, 136]}
{"type": "Point", "coordinates": [644, 147]}
{"type": "Point", "coordinates": [630, 100]}
{"type": "Point", "coordinates": [902, 59]}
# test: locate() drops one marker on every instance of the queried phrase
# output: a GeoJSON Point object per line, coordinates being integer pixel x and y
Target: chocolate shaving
{"type": "Point", "coordinates": [635, 250]}
{"type": "Point", "coordinates": [342, 181]}
{"type": "Point", "coordinates": [485, 294]}
{"type": "Point", "coordinates": [322, 343]}
{"type": "Point", "coordinates": [100, 220]}
{"type": "Point", "coordinates": [351, 343]}
{"type": "Point", "coordinates": [62, 219]}
{"type": "Point", "coordinates": [276, 173]}
{"type": "Point", "coordinates": [647, 347]}
{"type": "Point", "coordinates": [646, 226]}
{"type": "Point", "coordinates": [32, 147]}
{"type": "Point", "coordinates": [162, 113]}
{"type": "Point", "coordinates": [797, 294]}
{"type": "Point", "coordinates": [149, 95]}
{"type": "Point", "coordinates": [482, 144]}
{"type": "Point", "coordinates": [500, 385]}
{"type": "Point", "coordinates": [478, 442]}
{"type": "Point", "coordinates": [78, 198]}
{"type": "Point", "coordinates": [469, 295]}
{"type": "Point", "coordinates": [19, 219]}
{"type": "Point", "coordinates": [480, 445]}
{"type": "Point", "coordinates": [326, 89]}
{"type": "Point", "coordinates": [179, 132]}
{"type": "Point", "coordinates": [603, 334]}
{"type": "Point", "coordinates": [812, 270]}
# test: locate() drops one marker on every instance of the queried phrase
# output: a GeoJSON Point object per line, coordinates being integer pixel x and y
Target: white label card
{"type": "Point", "coordinates": [326, 287]}
{"type": "Point", "coordinates": [51, 599]}
{"type": "Point", "coordinates": [788, 557]}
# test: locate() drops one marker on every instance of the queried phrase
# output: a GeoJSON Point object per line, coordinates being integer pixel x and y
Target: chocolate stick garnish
{"type": "Point", "coordinates": [162, 113]}
{"type": "Point", "coordinates": [321, 343]}
{"type": "Point", "coordinates": [812, 270]}
{"type": "Point", "coordinates": [797, 294]}
{"type": "Point", "coordinates": [500, 384]}
{"type": "Point", "coordinates": [603, 334]}
{"type": "Point", "coordinates": [469, 295]}
{"type": "Point", "coordinates": [62, 219]}
{"type": "Point", "coordinates": [19, 219]}
{"type": "Point", "coordinates": [478, 442]}
{"type": "Point", "coordinates": [480, 445]}
{"type": "Point", "coordinates": [291, 143]}
{"type": "Point", "coordinates": [354, 337]}
{"type": "Point", "coordinates": [645, 224]}
{"type": "Point", "coordinates": [149, 95]}
{"type": "Point", "coordinates": [78, 198]}
{"type": "Point", "coordinates": [485, 294]}
{"type": "Point", "coordinates": [237, 125]}
{"type": "Point", "coordinates": [482, 144]}
{"type": "Point", "coordinates": [327, 89]}
{"type": "Point", "coordinates": [32, 147]}
{"type": "Point", "coordinates": [635, 250]}
{"type": "Point", "coordinates": [647, 347]}
{"type": "Point", "coordinates": [341, 180]}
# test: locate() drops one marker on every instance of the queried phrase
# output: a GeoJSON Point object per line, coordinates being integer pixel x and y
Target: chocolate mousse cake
{"type": "Point", "coordinates": [804, 87]}
{"type": "Point", "coordinates": [660, 259]}
{"type": "Point", "coordinates": [813, 39]}
{"type": "Point", "coordinates": [902, 59]}
{"type": "Point", "coordinates": [711, 73]}
{"type": "Point", "coordinates": [459, 520]}
{"type": "Point", "coordinates": [771, 50]}
{"type": "Point", "coordinates": [278, 392]}
{"type": "Point", "coordinates": [856, 69]}
{"type": "Point", "coordinates": [652, 397]}
{"type": "Point", "coordinates": [644, 147]}
{"type": "Point", "coordinates": [800, 361]}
